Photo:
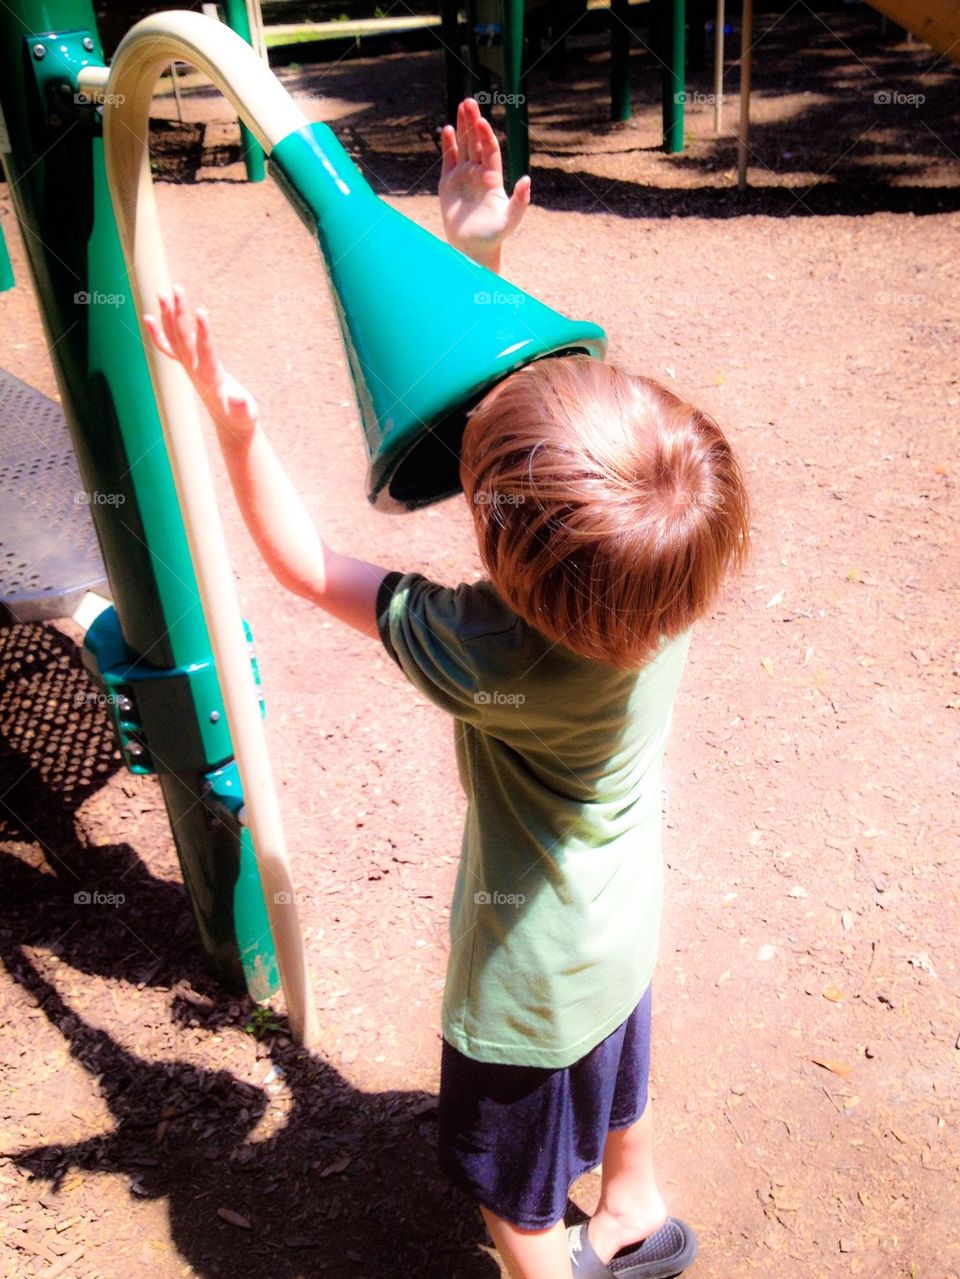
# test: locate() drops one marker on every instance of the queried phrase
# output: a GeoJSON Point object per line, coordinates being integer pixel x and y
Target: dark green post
{"type": "Point", "coordinates": [620, 59]}
{"type": "Point", "coordinates": [151, 652]}
{"type": "Point", "coordinates": [672, 33]}
{"type": "Point", "coordinates": [515, 89]}
{"type": "Point", "coordinates": [235, 12]}
{"type": "Point", "coordinates": [453, 69]}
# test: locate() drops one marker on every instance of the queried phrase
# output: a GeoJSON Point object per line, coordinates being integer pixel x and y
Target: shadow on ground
{"type": "Point", "coordinates": [340, 1183]}
{"type": "Point", "coordinates": [847, 119]}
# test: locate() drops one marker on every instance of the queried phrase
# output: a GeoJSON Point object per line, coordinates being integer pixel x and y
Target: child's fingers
{"type": "Point", "coordinates": [159, 338]}
{"type": "Point", "coordinates": [168, 314]}
{"type": "Point", "coordinates": [448, 148]}
{"type": "Point", "coordinates": [170, 331]}
{"type": "Point", "coordinates": [207, 362]}
{"type": "Point", "coordinates": [488, 147]}
{"type": "Point", "coordinates": [462, 130]}
{"type": "Point", "coordinates": [470, 145]}
{"type": "Point", "coordinates": [182, 320]}
{"type": "Point", "coordinates": [518, 203]}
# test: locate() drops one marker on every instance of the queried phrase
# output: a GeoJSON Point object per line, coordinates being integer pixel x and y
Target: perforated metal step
{"type": "Point", "coordinates": [49, 554]}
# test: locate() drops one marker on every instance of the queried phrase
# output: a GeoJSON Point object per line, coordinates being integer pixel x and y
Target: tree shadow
{"type": "Point", "coordinates": [824, 140]}
{"type": "Point", "coordinates": [330, 1178]}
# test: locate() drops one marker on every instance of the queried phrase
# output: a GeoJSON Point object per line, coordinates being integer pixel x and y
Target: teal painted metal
{"type": "Point", "coordinates": [222, 883]}
{"type": "Point", "coordinates": [235, 12]}
{"type": "Point", "coordinates": [152, 709]}
{"type": "Point", "coordinates": [55, 60]}
{"type": "Point", "coordinates": [58, 188]}
{"type": "Point", "coordinates": [6, 266]}
{"type": "Point", "coordinates": [427, 331]}
{"type": "Point", "coordinates": [224, 795]}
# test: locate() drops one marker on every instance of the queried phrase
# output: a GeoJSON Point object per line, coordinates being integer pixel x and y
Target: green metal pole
{"type": "Point", "coordinates": [6, 266]}
{"type": "Point", "coordinates": [672, 32]}
{"type": "Point", "coordinates": [453, 68]}
{"type": "Point", "coordinates": [152, 649]}
{"type": "Point", "coordinates": [620, 60]}
{"type": "Point", "coordinates": [514, 86]}
{"type": "Point", "coordinates": [235, 12]}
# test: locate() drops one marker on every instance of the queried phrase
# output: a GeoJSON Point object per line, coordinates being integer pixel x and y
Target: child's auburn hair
{"type": "Point", "coordinates": [607, 509]}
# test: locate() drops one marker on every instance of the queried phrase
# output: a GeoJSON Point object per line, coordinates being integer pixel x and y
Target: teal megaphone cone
{"type": "Point", "coordinates": [427, 331]}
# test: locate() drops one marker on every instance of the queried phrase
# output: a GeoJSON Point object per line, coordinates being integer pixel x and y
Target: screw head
{"type": "Point", "coordinates": [39, 51]}
{"type": "Point", "coordinates": [55, 120]}
{"type": "Point", "coordinates": [88, 43]}
{"type": "Point", "coordinates": [214, 717]}
{"type": "Point", "coordinates": [134, 749]}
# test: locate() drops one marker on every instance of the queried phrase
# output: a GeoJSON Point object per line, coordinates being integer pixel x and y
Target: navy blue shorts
{"type": "Point", "coordinates": [516, 1138]}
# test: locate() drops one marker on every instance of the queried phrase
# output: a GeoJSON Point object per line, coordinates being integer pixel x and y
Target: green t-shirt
{"type": "Point", "coordinates": [556, 911]}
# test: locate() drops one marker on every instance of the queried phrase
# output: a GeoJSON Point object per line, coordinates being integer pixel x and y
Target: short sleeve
{"type": "Point", "coordinates": [422, 625]}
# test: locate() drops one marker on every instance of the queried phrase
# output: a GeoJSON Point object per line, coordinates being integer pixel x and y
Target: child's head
{"type": "Point", "coordinates": [607, 509]}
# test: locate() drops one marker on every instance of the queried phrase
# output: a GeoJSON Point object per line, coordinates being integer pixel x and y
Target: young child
{"type": "Point", "coordinates": [607, 511]}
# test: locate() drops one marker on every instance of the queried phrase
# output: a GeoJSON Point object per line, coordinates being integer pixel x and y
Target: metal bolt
{"type": "Point", "coordinates": [88, 43]}
{"type": "Point", "coordinates": [39, 51]}
{"type": "Point", "coordinates": [214, 717]}
{"type": "Point", "coordinates": [125, 704]}
{"type": "Point", "coordinates": [134, 749]}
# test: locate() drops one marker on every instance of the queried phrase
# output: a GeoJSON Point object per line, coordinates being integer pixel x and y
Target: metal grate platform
{"type": "Point", "coordinates": [49, 554]}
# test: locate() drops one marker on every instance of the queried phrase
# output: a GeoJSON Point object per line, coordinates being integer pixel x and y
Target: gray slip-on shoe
{"type": "Point", "coordinates": [662, 1255]}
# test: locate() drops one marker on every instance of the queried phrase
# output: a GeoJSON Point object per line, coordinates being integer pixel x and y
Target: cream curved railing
{"type": "Point", "coordinates": [270, 114]}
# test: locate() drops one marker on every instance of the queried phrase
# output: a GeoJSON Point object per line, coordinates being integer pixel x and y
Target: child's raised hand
{"type": "Point", "coordinates": [229, 404]}
{"type": "Point", "coordinates": [476, 210]}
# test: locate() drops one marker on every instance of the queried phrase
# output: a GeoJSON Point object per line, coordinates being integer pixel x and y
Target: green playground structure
{"type": "Point", "coordinates": [426, 330]}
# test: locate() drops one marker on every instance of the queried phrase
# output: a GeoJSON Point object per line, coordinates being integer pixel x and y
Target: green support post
{"type": "Point", "coordinates": [671, 41]}
{"type": "Point", "coordinates": [235, 12]}
{"type": "Point", "coordinates": [620, 33]}
{"type": "Point", "coordinates": [152, 650]}
{"type": "Point", "coordinates": [453, 68]}
{"type": "Point", "coordinates": [515, 89]}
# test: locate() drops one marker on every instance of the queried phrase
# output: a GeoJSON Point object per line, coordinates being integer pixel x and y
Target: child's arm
{"type": "Point", "coordinates": [277, 519]}
{"type": "Point", "coordinates": [477, 213]}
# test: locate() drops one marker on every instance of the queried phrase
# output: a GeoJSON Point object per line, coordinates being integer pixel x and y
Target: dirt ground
{"type": "Point", "coordinates": [807, 1021]}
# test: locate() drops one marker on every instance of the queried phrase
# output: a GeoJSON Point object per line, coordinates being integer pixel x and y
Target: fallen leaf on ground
{"type": "Point", "coordinates": [233, 1218]}
{"type": "Point", "coordinates": [922, 961]}
{"type": "Point", "coordinates": [338, 1165]}
{"type": "Point", "coordinates": [841, 1068]}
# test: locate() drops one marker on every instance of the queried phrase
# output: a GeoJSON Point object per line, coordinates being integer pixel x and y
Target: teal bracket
{"type": "Point", "coordinates": [160, 714]}
{"type": "Point", "coordinates": [56, 59]}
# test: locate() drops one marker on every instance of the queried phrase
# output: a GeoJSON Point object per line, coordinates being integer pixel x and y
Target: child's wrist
{"type": "Point", "coordinates": [487, 256]}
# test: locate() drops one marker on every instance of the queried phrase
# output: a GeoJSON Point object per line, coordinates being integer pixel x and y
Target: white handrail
{"type": "Point", "coordinates": [270, 113]}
